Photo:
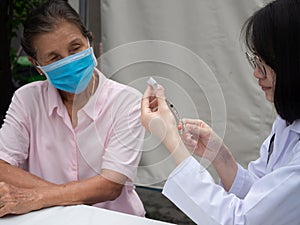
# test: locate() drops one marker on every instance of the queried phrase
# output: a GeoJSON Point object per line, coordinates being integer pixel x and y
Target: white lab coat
{"type": "Point", "coordinates": [267, 194]}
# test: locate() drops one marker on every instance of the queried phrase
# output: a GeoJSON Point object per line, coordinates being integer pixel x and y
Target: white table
{"type": "Point", "coordinates": [77, 215]}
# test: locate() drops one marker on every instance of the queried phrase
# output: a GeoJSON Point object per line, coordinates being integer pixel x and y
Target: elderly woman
{"type": "Point", "coordinates": [74, 138]}
{"type": "Point", "coordinates": [268, 191]}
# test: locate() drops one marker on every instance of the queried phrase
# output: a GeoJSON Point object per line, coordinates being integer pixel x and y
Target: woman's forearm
{"type": "Point", "coordinates": [18, 200]}
{"type": "Point", "coordinates": [90, 191]}
{"type": "Point", "coordinates": [20, 178]}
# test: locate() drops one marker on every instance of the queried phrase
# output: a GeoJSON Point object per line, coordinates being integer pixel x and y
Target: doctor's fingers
{"type": "Point", "coordinates": [145, 103]}
{"type": "Point", "coordinates": [197, 122]}
{"type": "Point", "coordinates": [198, 132]}
{"type": "Point", "coordinates": [192, 121]}
{"type": "Point", "coordinates": [161, 99]}
{"type": "Point", "coordinates": [148, 92]}
{"type": "Point", "coordinates": [189, 142]}
{"type": "Point", "coordinates": [188, 137]}
{"type": "Point", "coordinates": [158, 92]}
{"type": "Point", "coordinates": [154, 99]}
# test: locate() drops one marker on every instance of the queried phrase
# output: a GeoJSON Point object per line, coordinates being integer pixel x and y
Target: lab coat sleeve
{"type": "Point", "coordinates": [245, 178]}
{"type": "Point", "coordinates": [272, 200]}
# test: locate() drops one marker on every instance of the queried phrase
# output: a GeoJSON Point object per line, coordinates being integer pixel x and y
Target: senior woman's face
{"type": "Point", "coordinates": [66, 39]}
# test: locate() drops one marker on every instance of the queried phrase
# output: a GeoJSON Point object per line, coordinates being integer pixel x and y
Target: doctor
{"type": "Point", "coordinates": [268, 192]}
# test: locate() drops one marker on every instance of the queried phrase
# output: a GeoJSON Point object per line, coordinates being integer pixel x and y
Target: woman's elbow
{"type": "Point", "coordinates": [115, 192]}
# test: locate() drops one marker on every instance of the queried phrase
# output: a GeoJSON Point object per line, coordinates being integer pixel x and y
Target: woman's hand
{"type": "Point", "coordinates": [15, 200]}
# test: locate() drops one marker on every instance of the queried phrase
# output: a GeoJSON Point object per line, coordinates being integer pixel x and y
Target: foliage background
{"type": "Point", "coordinates": [12, 16]}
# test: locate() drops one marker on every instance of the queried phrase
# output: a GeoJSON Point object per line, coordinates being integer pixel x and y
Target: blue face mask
{"type": "Point", "coordinates": [73, 73]}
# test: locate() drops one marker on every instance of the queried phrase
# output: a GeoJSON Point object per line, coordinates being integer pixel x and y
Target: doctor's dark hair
{"type": "Point", "coordinates": [44, 19]}
{"type": "Point", "coordinates": [273, 33]}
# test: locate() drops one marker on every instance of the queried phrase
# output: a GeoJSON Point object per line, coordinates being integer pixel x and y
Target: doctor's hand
{"type": "Point", "coordinates": [202, 140]}
{"type": "Point", "coordinates": [157, 118]}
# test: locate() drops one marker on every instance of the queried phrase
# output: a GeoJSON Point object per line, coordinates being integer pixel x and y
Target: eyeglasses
{"type": "Point", "coordinates": [256, 62]}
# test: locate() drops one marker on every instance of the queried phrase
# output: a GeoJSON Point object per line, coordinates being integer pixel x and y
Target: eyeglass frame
{"type": "Point", "coordinates": [256, 62]}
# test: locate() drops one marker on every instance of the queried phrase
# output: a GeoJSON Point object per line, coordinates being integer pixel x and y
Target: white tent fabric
{"type": "Point", "coordinates": [193, 48]}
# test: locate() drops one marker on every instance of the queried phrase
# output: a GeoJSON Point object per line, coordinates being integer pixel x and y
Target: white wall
{"type": "Point", "coordinates": [193, 48]}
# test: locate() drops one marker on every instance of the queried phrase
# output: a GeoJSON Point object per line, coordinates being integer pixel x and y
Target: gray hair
{"type": "Point", "coordinates": [44, 19]}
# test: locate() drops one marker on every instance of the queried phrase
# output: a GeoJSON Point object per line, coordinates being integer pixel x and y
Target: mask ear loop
{"type": "Point", "coordinates": [39, 66]}
{"type": "Point", "coordinates": [94, 57]}
{"type": "Point", "coordinates": [88, 40]}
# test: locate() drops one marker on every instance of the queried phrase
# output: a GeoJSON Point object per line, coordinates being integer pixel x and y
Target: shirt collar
{"type": "Point", "coordinates": [281, 124]}
{"type": "Point", "coordinates": [54, 100]}
{"type": "Point", "coordinates": [295, 126]}
{"type": "Point", "coordinates": [93, 106]}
